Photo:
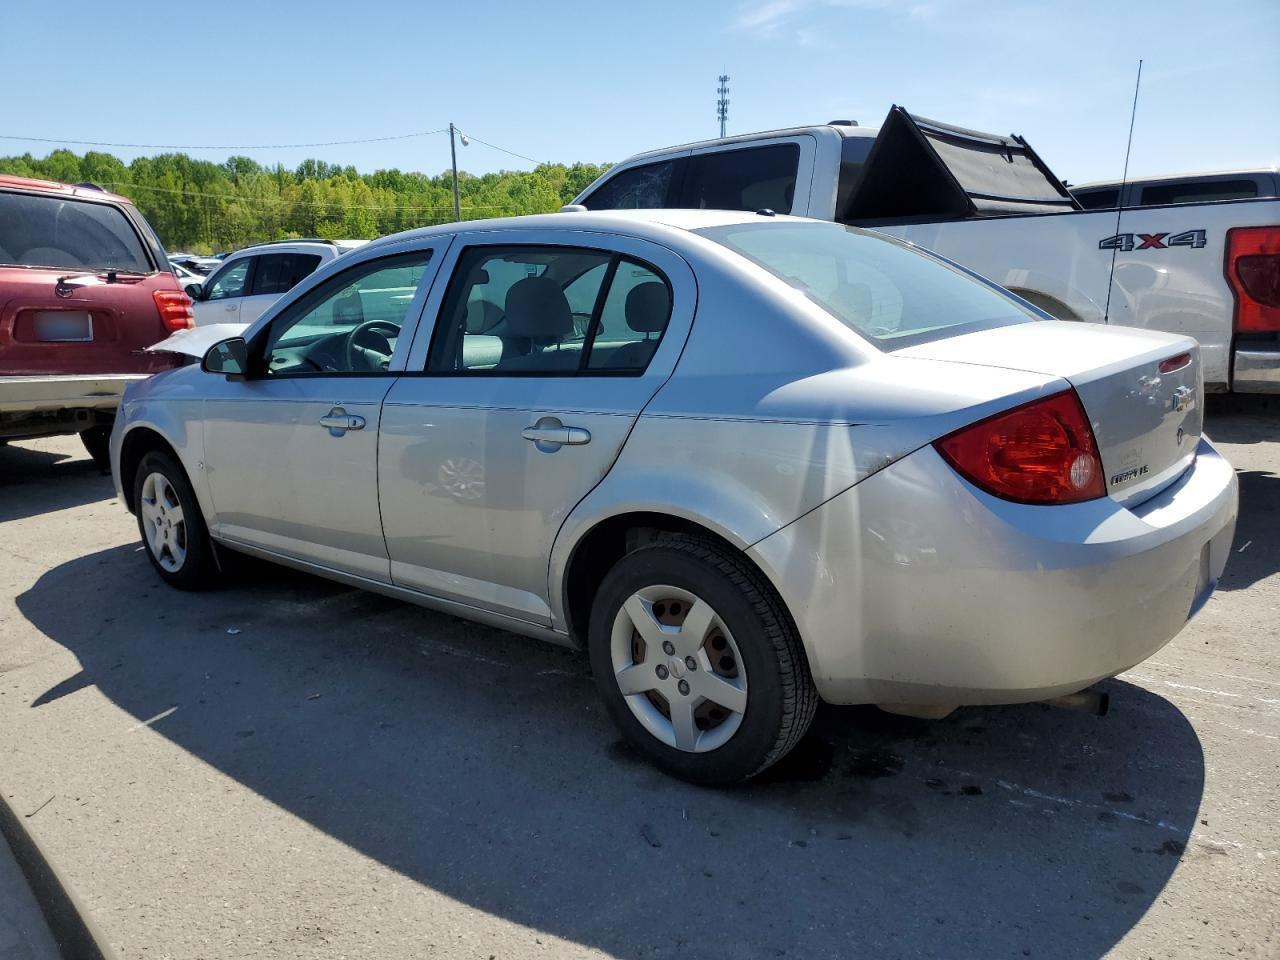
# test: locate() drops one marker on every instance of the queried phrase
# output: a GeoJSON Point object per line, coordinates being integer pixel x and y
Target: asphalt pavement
{"type": "Point", "coordinates": [291, 768]}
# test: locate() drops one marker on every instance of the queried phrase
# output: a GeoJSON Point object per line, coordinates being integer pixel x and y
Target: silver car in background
{"type": "Point", "coordinates": [745, 461]}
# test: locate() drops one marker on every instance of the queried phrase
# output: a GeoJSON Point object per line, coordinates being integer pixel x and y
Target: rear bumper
{"type": "Point", "coordinates": [48, 393]}
{"type": "Point", "coordinates": [1256, 370]}
{"type": "Point", "coordinates": [915, 587]}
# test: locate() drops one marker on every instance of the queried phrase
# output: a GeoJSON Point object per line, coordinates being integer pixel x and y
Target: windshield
{"type": "Point", "coordinates": [40, 231]}
{"type": "Point", "coordinates": [879, 288]}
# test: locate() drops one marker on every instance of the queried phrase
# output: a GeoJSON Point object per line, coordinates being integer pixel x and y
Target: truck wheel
{"type": "Point", "coordinates": [97, 441]}
{"type": "Point", "coordinates": [698, 661]}
{"type": "Point", "coordinates": [171, 524]}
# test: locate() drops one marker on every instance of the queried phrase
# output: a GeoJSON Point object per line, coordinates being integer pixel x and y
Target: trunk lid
{"type": "Point", "coordinates": [67, 321]}
{"type": "Point", "coordinates": [1141, 390]}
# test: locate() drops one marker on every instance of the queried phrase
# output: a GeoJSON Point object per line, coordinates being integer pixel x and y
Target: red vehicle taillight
{"type": "Point", "coordinates": [175, 309]}
{"type": "Point", "coordinates": [1253, 270]}
{"type": "Point", "coordinates": [1041, 452]}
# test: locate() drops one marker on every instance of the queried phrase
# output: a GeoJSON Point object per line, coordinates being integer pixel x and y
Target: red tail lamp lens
{"type": "Point", "coordinates": [1041, 452]}
{"type": "Point", "coordinates": [1253, 270]}
{"type": "Point", "coordinates": [175, 309]}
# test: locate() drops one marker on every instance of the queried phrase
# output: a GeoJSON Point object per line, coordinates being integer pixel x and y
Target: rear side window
{"type": "Point", "coordinates": [39, 231]}
{"type": "Point", "coordinates": [754, 179]}
{"type": "Point", "coordinates": [853, 157]}
{"type": "Point", "coordinates": [1203, 191]}
{"type": "Point", "coordinates": [549, 311]}
{"type": "Point", "coordinates": [1099, 199]}
{"type": "Point", "coordinates": [280, 272]}
{"type": "Point", "coordinates": [640, 188]}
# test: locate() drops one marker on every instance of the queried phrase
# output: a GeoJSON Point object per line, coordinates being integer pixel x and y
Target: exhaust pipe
{"type": "Point", "coordinates": [1087, 701]}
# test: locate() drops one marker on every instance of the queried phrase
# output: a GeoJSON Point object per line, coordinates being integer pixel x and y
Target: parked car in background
{"type": "Point", "coordinates": [1210, 270]}
{"type": "Point", "coordinates": [746, 461]}
{"type": "Point", "coordinates": [84, 289]}
{"type": "Point", "coordinates": [1180, 188]}
{"type": "Point", "coordinates": [196, 264]}
{"type": "Point", "coordinates": [186, 277]}
{"type": "Point", "coordinates": [250, 280]}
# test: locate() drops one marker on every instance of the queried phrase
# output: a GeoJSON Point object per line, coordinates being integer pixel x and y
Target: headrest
{"type": "Point", "coordinates": [536, 307]}
{"type": "Point", "coordinates": [348, 309]}
{"type": "Point", "coordinates": [648, 307]}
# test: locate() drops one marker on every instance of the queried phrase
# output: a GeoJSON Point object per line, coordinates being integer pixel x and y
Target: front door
{"type": "Point", "coordinates": [541, 359]}
{"type": "Point", "coordinates": [220, 299]}
{"type": "Point", "coordinates": [291, 452]}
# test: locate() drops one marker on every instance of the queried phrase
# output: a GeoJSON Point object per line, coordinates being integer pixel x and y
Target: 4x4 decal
{"type": "Point", "coordinates": [1153, 241]}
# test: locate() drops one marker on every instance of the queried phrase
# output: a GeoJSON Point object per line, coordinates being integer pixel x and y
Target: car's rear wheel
{"type": "Point", "coordinates": [97, 442]}
{"type": "Point", "coordinates": [171, 524]}
{"type": "Point", "coordinates": [698, 661]}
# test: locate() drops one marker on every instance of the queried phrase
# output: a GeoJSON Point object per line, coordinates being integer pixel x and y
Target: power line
{"type": "Point", "coordinates": [249, 146]}
{"type": "Point", "coordinates": [472, 136]}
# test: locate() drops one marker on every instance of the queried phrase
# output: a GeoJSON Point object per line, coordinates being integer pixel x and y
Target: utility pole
{"type": "Point", "coordinates": [722, 105]}
{"type": "Point", "coordinates": [453, 152]}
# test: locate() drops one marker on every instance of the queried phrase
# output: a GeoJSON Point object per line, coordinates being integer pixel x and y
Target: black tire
{"type": "Point", "coordinates": [781, 695]}
{"type": "Point", "coordinates": [97, 442]}
{"type": "Point", "coordinates": [199, 567]}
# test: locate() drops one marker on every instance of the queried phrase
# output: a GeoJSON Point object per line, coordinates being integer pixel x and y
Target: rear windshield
{"type": "Point", "coordinates": [38, 231]}
{"type": "Point", "coordinates": [877, 287]}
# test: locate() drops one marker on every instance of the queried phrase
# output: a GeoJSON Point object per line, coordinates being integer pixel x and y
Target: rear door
{"type": "Point", "coordinates": [273, 275]}
{"type": "Point", "coordinates": [76, 288]}
{"type": "Point", "coordinates": [546, 347]}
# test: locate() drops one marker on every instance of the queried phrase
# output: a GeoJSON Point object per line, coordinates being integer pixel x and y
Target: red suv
{"type": "Point", "coordinates": [84, 288]}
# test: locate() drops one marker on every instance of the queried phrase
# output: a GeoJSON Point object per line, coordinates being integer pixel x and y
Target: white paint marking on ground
{"type": "Point", "coordinates": [146, 723]}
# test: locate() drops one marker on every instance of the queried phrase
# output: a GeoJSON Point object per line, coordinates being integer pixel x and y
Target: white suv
{"type": "Point", "coordinates": [250, 280]}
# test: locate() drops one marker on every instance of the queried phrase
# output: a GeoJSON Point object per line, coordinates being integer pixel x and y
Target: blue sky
{"type": "Point", "coordinates": [599, 81]}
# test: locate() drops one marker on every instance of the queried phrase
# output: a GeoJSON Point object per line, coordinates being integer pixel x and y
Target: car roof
{"type": "Point", "coordinates": [641, 223]}
{"type": "Point", "coordinates": [846, 130]}
{"type": "Point", "coordinates": [86, 190]}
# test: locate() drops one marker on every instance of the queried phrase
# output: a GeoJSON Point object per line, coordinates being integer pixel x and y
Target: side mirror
{"type": "Point", "coordinates": [194, 290]}
{"type": "Point", "coordinates": [228, 357]}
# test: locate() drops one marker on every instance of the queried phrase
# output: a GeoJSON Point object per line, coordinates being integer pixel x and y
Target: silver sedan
{"type": "Point", "coordinates": [744, 461]}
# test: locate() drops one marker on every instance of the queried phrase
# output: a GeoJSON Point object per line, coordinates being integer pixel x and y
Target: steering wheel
{"type": "Point", "coordinates": [354, 353]}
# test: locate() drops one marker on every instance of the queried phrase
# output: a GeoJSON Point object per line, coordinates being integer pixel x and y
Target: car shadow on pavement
{"type": "Point", "coordinates": [1255, 553]}
{"type": "Point", "coordinates": [479, 764]}
{"type": "Point", "coordinates": [35, 481]}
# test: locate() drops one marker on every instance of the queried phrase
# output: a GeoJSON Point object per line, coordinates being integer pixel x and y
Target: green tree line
{"type": "Point", "coordinates": [203, 207]}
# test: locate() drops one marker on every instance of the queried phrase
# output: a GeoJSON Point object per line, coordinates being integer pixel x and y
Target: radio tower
{"type": "Point", "coordinates": [722, 105]}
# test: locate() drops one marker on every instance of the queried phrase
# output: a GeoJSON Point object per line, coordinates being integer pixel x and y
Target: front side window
{"type": "Point", "coordinates": [280, 272]}
{"type": "Point", "coordinates": [537, 311]}
{"type": "Point", "coordinates": [640, 188]}
{"type": "Point", "coordinates": [759, 178]}
{"type": "Point", "coordinates": [879, 288]}
{"type": "Point", "coordinates": [229, 281]}
{"type": "Point", "coordinates": [40, 231]}
{"type": "Point", "coordinates": [351, 323]}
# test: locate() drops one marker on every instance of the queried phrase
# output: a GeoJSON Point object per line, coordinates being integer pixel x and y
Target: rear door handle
{"type": "Point", "coordinates": [338, 421]}
{"type": "Point", "coordinates": [549, 434]}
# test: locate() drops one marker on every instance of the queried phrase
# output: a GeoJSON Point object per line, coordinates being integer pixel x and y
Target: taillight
{"type": "Point", "coordinates": [1253, 270]}
{"type": "Point", "coordinates": [1040, 452]}
{"type": "Point", "coordinates": [175, 309]}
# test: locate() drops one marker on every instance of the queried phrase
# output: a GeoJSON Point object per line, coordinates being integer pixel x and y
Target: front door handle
{"type": "Point", "coordinates": [338, 421]}
{"type": "Point", "coordinates": [549, 434]}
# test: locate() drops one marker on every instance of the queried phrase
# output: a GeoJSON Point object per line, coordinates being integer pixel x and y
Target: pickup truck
{"type": "Point", "coordinates": [1210, 270]}
{"type": "Point", "coordinates": [85, 289]}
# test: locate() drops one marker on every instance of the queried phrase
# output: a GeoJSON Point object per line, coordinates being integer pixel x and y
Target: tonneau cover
{"type": "Point", "coordinates": [923, 169]}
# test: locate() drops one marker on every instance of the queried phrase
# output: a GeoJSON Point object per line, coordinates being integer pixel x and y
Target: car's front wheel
{"type": "Point", "coordinates": [171, 524]}
{"type": "Point", "coordinates": [698, 662]}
